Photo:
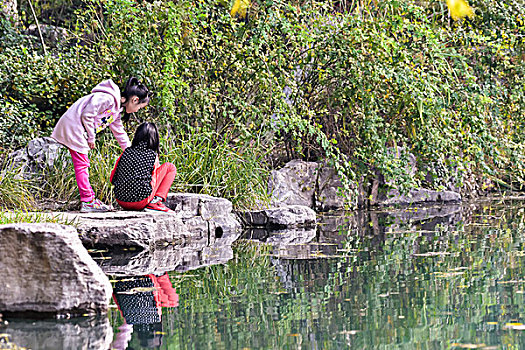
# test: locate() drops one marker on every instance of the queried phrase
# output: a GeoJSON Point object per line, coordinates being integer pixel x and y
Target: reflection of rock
{"type": "Point", "coordinates": [419, 196]}
{"type": "Point", "coordinates": [427, 217]}
{"type": "Point", "coordinates": [281, 217]}
{"type": "Point", "coordinates": [46, 269]}
{"type": "Point", "coordinates": [184, 256]}
{"type": "Point", "coordinates": [145, 262]}
{"type": "Point", "coordinates": [79, 333]}
{"type": "Point", "coordinates": [291, 237]}
{"type": "Point", "coordinates": [288, 243]}
{"type": "Point", "coordinates": [217, 253]}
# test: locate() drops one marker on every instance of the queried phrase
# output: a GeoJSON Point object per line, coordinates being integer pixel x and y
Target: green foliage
{"type": "Point", "coordinates": [361, 86]}
{"type": "Point", "coordinates": [22, 216]}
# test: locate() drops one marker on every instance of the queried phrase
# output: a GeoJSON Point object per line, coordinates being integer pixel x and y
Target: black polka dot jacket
{"type": "Point", "coordinates": [133, 173]}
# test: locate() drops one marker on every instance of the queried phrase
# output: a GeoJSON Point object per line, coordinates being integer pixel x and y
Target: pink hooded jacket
{"type": "Point", "coordinates": [90, 115]}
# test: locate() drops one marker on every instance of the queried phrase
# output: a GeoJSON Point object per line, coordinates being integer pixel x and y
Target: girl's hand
{"type": "Point", "coordinates": [91, 145]}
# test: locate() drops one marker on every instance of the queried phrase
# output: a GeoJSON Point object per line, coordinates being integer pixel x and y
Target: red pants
{"type": "Point", "coordinates": [161, 181]}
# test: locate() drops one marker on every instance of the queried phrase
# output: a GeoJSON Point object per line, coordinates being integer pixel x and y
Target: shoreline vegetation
{"type": "Point", "coordinates": [241, 90]}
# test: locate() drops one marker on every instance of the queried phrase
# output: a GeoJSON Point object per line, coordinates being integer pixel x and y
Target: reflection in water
{"type": "Point", "coordinates": [427, 278]}
{"type": "Point", "coordinates": [140, 301]}
{"type": "Point", "coordinates": [431, 278]}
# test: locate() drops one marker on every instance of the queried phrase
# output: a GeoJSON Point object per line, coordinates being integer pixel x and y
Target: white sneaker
{"type": "Point", "coordinates": [95, 206]}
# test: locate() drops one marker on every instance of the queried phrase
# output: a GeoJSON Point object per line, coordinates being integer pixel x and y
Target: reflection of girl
{"type": "Point", "coordinates": [140, 301]}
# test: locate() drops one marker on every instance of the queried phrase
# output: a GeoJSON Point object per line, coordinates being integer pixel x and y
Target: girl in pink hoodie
{"type": "Point", "coordinates": [91, 114]}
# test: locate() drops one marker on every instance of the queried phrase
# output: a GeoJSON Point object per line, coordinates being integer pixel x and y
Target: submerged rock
{"type": "Point", "coordinates": [48, 271]}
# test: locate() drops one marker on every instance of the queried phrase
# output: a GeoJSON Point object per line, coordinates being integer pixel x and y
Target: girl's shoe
{"type": "Point", "coordinates": [95, 206]}
{"type": "Point", "coordinates": [158, 206]}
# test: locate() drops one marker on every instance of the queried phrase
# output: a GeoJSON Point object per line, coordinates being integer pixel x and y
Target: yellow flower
{"type": "Point", "coordinates": [459, 9]}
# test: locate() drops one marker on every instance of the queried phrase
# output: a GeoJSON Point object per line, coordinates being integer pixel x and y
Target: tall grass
{"type": "Point", "coordinates": [206, 163]}
{"type": "Point", "coordinates": [211, 164]}
{"type": "Point", "coordinates": [21, 216]}
{"type": "Point", "coordinates": [16, 192]}
{"type": "Point", "coordinates": [59, 183]}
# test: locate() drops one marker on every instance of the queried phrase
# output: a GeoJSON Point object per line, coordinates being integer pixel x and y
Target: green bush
{"type": "Point", "coordinates": [352, 85]}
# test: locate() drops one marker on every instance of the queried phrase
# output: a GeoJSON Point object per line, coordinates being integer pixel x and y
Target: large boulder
{"type": "Point", "coordinates": [211, 216]}
{"type": "Point", "coordinates": [144, 230]}
{"type": "Point", "coordinates": [40, 153]}
{"type": "Point", "coordinates": [294, 184]}
{"type": "Point", "coordinates": [81, 333]}
{"type": "Point", "coordinates": [47, 270]}
{"type": "Point", "coordinates": [329, 194]}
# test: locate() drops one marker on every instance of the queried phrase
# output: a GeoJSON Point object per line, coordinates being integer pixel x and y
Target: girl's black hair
{"type": "Point", "coordinates": [134, 88]}
{"type": "Point", "coordinates": [148, 133]}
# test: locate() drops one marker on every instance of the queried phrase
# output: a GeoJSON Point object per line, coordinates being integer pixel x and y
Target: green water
{"type": "Point", "coordinates": [367, 281]}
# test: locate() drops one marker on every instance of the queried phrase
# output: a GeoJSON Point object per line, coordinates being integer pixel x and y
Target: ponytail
{"type": "Point", "coordinates": [134, 88]}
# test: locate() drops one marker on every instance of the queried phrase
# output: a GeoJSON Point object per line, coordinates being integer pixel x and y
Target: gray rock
{"type": "Point", "coordinates": [291, 216]}
{"type": "Point", "coordinates": [255, 218]}
{"type": "Point", "coordinates": [288, 216]}
{"type": "Point", "coordinates": [8, 9]}
{"type": "Point", "coordinates": [52, 35]}
{"type": "Point", "coordinates": [211, 216]}
{"type": "Point", "coordinates": [145, 230]}
{"type": "Point", "coordinates": [47, 270]}
{"type": "Point", "coordinates": [329, 194]}
{"type": "Point", "coordinates": [418, 196]}
{"type": "Point", "coordinates": [39, 154]}
{"type": "Point", "coordinates": [80, 333]}
{"type": "Point", "coordinates": [294, 184]}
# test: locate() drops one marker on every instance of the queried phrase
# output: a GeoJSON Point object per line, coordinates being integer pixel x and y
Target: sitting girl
{"type": "Point", "coordinates": [140, 181]}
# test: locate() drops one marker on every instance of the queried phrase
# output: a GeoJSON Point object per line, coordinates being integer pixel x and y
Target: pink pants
{"type": "Point", "coordinates": [161, 182]}
{"type": "Point", "coordinates": [81, 166]}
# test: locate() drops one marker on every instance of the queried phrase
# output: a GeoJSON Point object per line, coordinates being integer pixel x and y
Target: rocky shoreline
{"type": "Point", "coordinates": [65, 280]}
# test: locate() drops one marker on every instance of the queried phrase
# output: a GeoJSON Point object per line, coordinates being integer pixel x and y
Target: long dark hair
{"type": "Point", "coordinates": [148, 133]}
{"type": "Point", "coordinates": [134, 88]}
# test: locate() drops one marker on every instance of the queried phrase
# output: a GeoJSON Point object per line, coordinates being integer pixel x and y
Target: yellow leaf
{"type": "Point", "coordinates": [240, 7]}
{"type": "Point", "coordinates": [459, 9]}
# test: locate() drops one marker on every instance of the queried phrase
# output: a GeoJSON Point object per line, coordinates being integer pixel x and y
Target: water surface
{"type": "Point", "coordinates": [366, 281]}
{"type": "Point", "coordinates": [426, 278]}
